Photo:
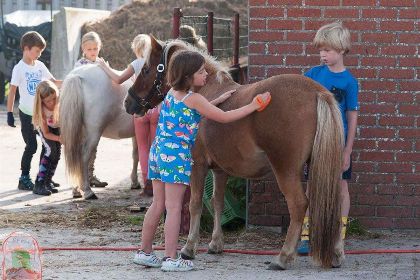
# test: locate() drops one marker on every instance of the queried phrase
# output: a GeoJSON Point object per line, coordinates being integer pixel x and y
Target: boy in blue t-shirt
{"type": "Point", "coordinates": [333, 42]}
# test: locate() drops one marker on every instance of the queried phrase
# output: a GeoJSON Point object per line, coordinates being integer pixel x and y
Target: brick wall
{"type": "Point", "coordinates": [385, 58]}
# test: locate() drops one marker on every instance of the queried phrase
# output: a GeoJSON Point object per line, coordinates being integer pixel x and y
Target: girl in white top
{"type": "Point", "coordinates": [45, 120]}
{"type": "Point", "coordinates": [91, 46]}
{"type": "Point", "coordinates": [145, 127]}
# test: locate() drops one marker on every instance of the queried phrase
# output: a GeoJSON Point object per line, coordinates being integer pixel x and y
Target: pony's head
{"type": "Point", "coordinates": [150, 87]}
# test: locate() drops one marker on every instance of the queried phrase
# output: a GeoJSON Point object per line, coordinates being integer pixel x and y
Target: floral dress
{"type": "Point", "coordinates": [170, 155]}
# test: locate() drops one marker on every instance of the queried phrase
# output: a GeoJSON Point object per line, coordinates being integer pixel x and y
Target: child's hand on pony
{"type": "Point", "coordinates": [262, 100]}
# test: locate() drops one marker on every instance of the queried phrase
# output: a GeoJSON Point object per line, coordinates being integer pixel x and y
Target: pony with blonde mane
{"type": "Point", "coordinates": [91, 107]}
{"type": "Point", "coordinates": [301, 123]}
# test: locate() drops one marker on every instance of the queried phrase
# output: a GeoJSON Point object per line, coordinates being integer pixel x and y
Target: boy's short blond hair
{"type": "Point", "coordinates": [32, 39]}
{"type": "Point", "coordinates": [142, 46]}
{"type": "Point", "coordinates": [333, 35]}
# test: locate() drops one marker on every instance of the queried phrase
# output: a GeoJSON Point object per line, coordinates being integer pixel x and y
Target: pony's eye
{"type": "Point", "coordinates": [146, 70]}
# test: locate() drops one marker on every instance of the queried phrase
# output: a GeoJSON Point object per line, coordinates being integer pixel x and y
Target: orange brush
{"type": "Point", "coordinates": [263, 103]}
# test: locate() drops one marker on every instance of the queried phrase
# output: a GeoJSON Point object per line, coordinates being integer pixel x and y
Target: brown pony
{"type": "Point", "coordinates": [301, 123]}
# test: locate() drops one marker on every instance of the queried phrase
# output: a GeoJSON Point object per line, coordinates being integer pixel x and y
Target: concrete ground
{"type": "Point", "coordinates": [54, 222]}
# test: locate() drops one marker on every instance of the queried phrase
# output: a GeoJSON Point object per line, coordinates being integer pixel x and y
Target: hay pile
{"type": "Point", "coordinates": [155, 17]}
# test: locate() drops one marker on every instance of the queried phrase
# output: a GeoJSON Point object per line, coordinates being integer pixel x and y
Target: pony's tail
{"type": "Point", "coordinates": [324, 180]}
{"type": "Point", "coordinates": [71, 126]}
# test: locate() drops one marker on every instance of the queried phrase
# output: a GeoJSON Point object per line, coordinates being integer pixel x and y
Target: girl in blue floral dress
{"type": "Point", "coordinates": [170, 155]}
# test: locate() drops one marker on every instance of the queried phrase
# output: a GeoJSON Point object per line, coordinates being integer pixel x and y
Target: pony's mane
{"type": "Point", "coordinates": [212, 65]}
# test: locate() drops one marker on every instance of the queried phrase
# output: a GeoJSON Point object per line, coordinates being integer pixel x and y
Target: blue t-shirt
{"type": "Point", "coordinates": [343, 85]}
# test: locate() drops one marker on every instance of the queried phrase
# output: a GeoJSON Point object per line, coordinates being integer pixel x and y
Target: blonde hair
{"type": "Point", "coordinates": [333, 35]}
{"type": "Point", "coordinates": [142, 44]}
{"type": "Point", "coordinates": [43, 90]}
{"type": "Point", "coordinates": [91, 36]}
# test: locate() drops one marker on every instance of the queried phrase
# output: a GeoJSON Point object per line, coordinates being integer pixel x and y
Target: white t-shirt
{"type": "Point", "coordinates": [137, 65]}
{"type": "Point", "coordinates": [26, 78]}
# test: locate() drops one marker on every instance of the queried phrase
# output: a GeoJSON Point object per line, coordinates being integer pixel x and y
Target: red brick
{"type": "Point", "coordinates": [377, 108]}
{"type": "Point", "coordinates": [366, 120]}
{"type": "Point", "coordinates": [359, 3]}
{"type": "Point", "coordinates": [276, 209]}
{"type": "Point", "coordinates": [409, 13]}
{"type": "Point", "coordinates": [341, 13]}
{"type": "Point", "coordinates": [375, 178]}
{"type": "Point", "coordinates": [379, 13]}
{"type": "Point", "coordinates": [374, 199]}
{"type": "Point", "coordinates": [361, 188]}
{"type": "Point", "coordinates": [399, 50]}
{"type": "Point", "coordinates": [256, 71]}
{"type": "Point", "coordinates": [256, 208]}
{"type": "Point", "coordinates": [363, 167]}
{"type": "Point", "coordinates": [395, 168]}
{"type": "Point", "coordinates": [360, 144]}
{"type": "Point", "coordinates": [397, 25]}
{"type": "Point", "coordinates": [284, 2]}
{"type": "Point", "coordinates": [266, 220]}
{"type": "Point", "coordinates": [364, 49]}
{"type": "Point", "coordinates": [395, 98]}
{"type": "Point", "coordinates": [379, 38]}
{"type": "Point", "coordinates": [395, 73]}
{"type": "Point", "coordinates": [378, 85]}
{"type": "Point", "coordinates": [303, 12]}
{"type": "Point", "coordinates": [266, 60]}
{"type": "Point", "coordinates": [313, 24]}
{"type": "Point", "coordinates": [284, 24]}
{"type": "Point", "coordinates": [409, 109]}
{"type": "Point", "coordinates": [300, 60]}
{"type": "Point", "coordinates": [392, 189]}
{"type": "Point", "coordinates": [256, 3]}
{"type": "Point", "coordinates": [408, 179]}
{"type": "Point", "coordinates": [408, 157]}
{"type": "Point", "coordinates": [379, 223]}
{"type": "Point", "coordinates": [263, 198]}
{"type": "Point", "coordinates": [365, 98]}
{"type": "Point", "coordinates": [266, 36]}
{"type": "Point", "coordinates": [410, 133]}
{"type": "Point", "coordinates": [357, 210]}
{"type": "Point", "coordinates": [266, 12]}
{"type": "Point", "coordinates": [409, 38]}
{"type": "Point", "coordinates": [379, 61]}
{"type": "Point", "coordinates": [377, 133]}
{"type": "Point", "coordinates": [257, 24]}
{"type": "Point", "coordinates": [409, 62]}
{"type": "Point", "coordinates": [394, 212]}
{"type": "Point", "coordinates": [376, 156]}
{"type": "Point", "coordinates": [397, 3]}
{"type": "Point", "coordinates": [322, 2]}
{"type": "Point", "coordinates": [257, 48]}
{"type": "Point", "coordinates": [361, 25]}
{"type": "Point", "coordinates": [279, 71]}
{"type": "Point", "coordinates": [407, 223]}
{"type": "Point", "coordinates": [405, 200]}
{"type": "Point", "coordinates": [285, 48]}
{"type": "Point", "coordinates": [396, 121]}
{"type": "Point", "coordinates": [300, 36]}
{"type": "Point", "coordinates": [410, 86]}
{"type": "Point", "coordinates": [364, 73]}
{"type": "Point", "coordinates": [395, 145]}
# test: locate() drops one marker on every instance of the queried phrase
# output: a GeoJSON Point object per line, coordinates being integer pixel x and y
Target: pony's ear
{"type": "Point", "coordinates": [156, 44]}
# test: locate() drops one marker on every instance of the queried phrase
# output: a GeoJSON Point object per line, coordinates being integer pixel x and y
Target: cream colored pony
{"type": "Point", "coordinates": [91, 106]}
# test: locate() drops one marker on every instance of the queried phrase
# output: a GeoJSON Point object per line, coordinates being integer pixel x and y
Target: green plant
{"type": "Point", "coordinates": [355, 228]}
{"type": "Point", "coordinates": [135, 220]}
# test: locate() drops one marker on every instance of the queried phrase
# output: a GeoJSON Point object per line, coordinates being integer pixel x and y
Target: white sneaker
{"type": "Point", "coordinates": [177, 265]}
{"type": "Point", "coordinates": [150, 260]}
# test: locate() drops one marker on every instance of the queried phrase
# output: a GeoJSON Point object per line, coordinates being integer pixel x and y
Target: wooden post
{"type": "Point", "coordinates": [210, 33]}
{"type": "Point", "coordinates": [176, 22]}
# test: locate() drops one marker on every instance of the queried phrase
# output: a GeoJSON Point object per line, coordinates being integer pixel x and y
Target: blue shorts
{"type": "Point", "coordinates": [170, 162]}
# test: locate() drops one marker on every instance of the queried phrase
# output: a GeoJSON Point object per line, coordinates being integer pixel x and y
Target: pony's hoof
{"type": "Point", "coordinates": [77, 193]}
{"type": "Point", "coordinates": [276, 266]}
{"type": "Point", "coordinates": [90, 196]}
{"type": "Point", "coordinates": [337, 261]}
{"type": "Point", "coordinates": [187, 254]}
{"type": "Point", "coordinates": [135, 186]}
{"type": "Point", "coordinates": [214, 251]}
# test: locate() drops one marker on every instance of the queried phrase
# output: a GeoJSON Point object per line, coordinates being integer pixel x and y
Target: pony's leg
{"type": "Point", "coordinates": [220, 180]}
{"type": "Point", "coordinates": [198, 176]}
{"type": "Point", "coordinates": [297, 203]}
{"type": "Point", "coordinates": [92, 140]}
{"type": "Point", "coordinates": [135, 155]}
